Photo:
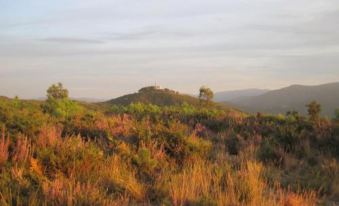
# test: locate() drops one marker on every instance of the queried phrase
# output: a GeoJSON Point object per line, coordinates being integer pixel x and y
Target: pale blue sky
{"type": "Point", "coordinates": [106, 48]}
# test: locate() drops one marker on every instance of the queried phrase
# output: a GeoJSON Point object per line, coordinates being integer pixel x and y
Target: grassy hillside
{"type": "Point", "coordinates": [67, 153]}
{"type": "Point", "coordinates": [163, 97]}
{"type": "Point", "coordinates": [291, 98]}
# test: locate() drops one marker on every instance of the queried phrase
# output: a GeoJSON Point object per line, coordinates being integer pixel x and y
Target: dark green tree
{"type": "Point", "coordinates": [314, 109]}
{"type": "Point", "coordinates": [57, 91]}
{"type": "Point", "coordinates": [337, 114]}
{"type": "Point", "coordinates": [205, 94]}
{"type": "Point", "coordinates": [16, 102]}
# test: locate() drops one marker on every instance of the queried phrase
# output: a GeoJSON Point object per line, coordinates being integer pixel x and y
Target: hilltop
{"type": "Point", "coordinates": [164, 97]}
{"type": "Point", "coordinates": [155, 95]}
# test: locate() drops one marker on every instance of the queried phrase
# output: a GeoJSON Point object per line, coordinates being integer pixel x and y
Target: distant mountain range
{"type": "Point", "coordinates": [235, 94]}
{"type": "Point", "coordinates": [290, 98]}
{"type": "Point", "coordinates": [88, 99]}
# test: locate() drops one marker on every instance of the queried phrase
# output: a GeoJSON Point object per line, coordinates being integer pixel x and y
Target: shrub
{"type": "Point", "coordinates": [62, 108]}
{"type": "Point", "coordinates": [233, 144]}
{"type": "Point", "coordinates": [144, 161]}
{"type": "Point", "coordinates": [58, 104]}
{"type": "Point", "coordinates": [337, 115]}
{"type": "Point", "coordinates": [314, 109]}
{"type": "Point", "coordinates": [268, 153]}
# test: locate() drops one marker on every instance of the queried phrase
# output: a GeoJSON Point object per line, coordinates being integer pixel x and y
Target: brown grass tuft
{"type": "Point", "coordinates": [35, 166]}
{"type": "Point", "coordinates": [203, 181]}
{"type": "Point", "coordinates": [68, 191]}
{"type": "Point", "coordinates": [115, 175]}
{"type": "Point", "coordinates": [22, 150]}
{"type": "Point", "coordinates": [49, 136]}
{"type": "Point", "coordinates": [4, 145]}
{"type": "Point", "coordinates": [289, 198]}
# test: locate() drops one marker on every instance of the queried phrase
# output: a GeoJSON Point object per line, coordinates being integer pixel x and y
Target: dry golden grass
{"type": "Point", "coordinates": [64, 191]}
{"type": "Point", "coordinates": [17, 174]}
{"type": "Point", "coordinates": [234, 188]}
{"type": "Point", "coordinates": [49, 136]}
{"type": "Point", "coordinates": [193, 182]}
{"type": "Point", "coordinates": [115, 175]}
{"type": "Point", "coordinates": [4, 145]}
{"type": "Point", "coordinates": [109, 180]}
{"type": "Point", "coordinates": [157, 150]}
{"type": "Point", "coordinates": [293, 199]}
{"type": "Point", "coordinates": [35, 166]}
{"type": "Point", "coordinates": [22, 149]}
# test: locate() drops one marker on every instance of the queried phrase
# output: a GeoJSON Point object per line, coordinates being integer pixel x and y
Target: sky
{"type": "Point", "coordinates": [107, 48]}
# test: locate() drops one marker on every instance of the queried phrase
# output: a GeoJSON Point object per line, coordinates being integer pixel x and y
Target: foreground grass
{"type": "Point", "coordinates": [148, 155]}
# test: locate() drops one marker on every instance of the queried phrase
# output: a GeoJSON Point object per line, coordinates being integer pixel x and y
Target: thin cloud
{"type": "Point", "coordinates": [66, 40]}
{"type": "Point", "coordinates": [131, 35]}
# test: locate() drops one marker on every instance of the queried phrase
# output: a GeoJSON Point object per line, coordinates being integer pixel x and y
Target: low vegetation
{"type": "Point", "coordinates": [61, 152]}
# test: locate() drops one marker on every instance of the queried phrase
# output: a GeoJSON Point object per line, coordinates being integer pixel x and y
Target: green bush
{"type": "Point", "coordinates": [144, 161]}
{"type": "Point", "coordinates": [337, 115]}
{"type": "Point", "coordinates": [268, 153]}
{"type": "Point", "coordinates": [62, 108]}
{"type": "Point", "coordinates": [233, 145]}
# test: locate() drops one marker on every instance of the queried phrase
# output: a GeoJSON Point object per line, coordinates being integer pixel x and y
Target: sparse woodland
{"type": "Point", "coordinates": [63, 152]}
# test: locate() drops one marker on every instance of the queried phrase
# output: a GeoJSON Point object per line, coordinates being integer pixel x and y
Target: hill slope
{"type": "Point", "coordinates": [294, 97]}
{"type": "Point", "coordinates": [231, 95]}
{"type": "Point", "coordinates": [153, 95]}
